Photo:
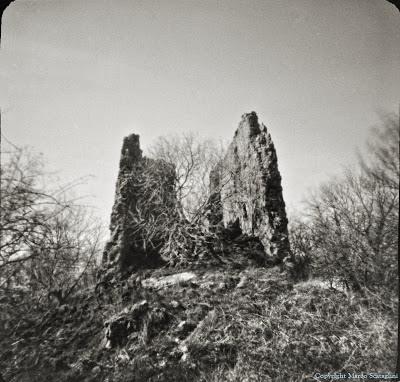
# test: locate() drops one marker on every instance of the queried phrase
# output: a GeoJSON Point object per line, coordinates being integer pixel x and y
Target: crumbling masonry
{"type": "Point", "coordinates": [246, 189]}
{"type": "Point", "coordinates": [246, 198]}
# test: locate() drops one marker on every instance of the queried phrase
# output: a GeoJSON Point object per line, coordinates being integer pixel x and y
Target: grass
{"type": "Point", "coordinates": [269, 330]}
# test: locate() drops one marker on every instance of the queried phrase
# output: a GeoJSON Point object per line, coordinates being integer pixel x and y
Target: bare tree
{"type": "Point", "coordinates": [353, 220]}
{"type": "Point", "coordinates": [302, 247]}
{"type": "Point", "coordinates": [48, 242]}
{"type": "Point", "coordinates": [382, 160]}
{"type": "Point", "coordinates": [193, 159]}
{"type": "Point", "coordinates": [23, 205]}
{"type": "Point", "coordinates": [67, 257]}
{"type": "Point", "coordinates": [175, 226]}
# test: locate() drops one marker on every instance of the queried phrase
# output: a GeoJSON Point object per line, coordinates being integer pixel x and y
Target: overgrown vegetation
{"type": "Point", "coordinates": [187, 237]}
{"type": "Point", "coordinates": [349, 229]}
{"type": "Point", "coordinates": [234, 319]}
{"type": "Point", "coordinates": [162, 203]}
{"type": "Point", "coordinates": [49, 242]}
{"type": "Point", "coordinates": [225, 325]}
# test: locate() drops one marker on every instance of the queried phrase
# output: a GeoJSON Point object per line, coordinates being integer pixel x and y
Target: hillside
{"type": "Point", "coordinates": [225, 323]}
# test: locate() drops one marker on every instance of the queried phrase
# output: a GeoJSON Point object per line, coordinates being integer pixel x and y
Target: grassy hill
{"type": "Point", "coordinates": [216, 324]}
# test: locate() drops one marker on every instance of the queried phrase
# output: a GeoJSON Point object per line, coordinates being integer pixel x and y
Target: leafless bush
{"type": "Point", "coordinates": [382, 160]}
{"type": "Point", "coordinates": [193, 159]}
{"type": "Point", "coordinates": [175, 197]}
{"type": "Point", "coordinates": [49, 243]}
{"type": "Point", "coordinates": [352, 225]}
{"type": "Point", "coordinates": [68, 256]}
{"type": "Point", "coordinates": [302, 248]}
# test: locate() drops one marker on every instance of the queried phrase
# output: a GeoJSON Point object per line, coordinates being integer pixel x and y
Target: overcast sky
{"type": "Point", "coordinates": [76, 76]}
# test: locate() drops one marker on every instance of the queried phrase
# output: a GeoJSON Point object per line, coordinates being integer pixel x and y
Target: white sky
{"type": "Point", "coordinates": [76, 76]}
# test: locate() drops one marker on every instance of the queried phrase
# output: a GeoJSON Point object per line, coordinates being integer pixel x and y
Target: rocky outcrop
{"type": "Point", "coordinates": [144, 191]}
{"type": "Point", "coordinates": [246, 191]}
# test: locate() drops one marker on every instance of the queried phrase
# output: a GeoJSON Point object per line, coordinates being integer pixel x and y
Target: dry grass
{"type": "Point", "coordinates": [268, 330]}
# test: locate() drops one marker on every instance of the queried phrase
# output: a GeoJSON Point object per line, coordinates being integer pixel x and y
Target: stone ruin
{"type": "Point", "coordinates": [246, 198]}
{"type": "Point", "coordinates": [131, 228]}
{"type": "Point", "coordinates": [246, 191]}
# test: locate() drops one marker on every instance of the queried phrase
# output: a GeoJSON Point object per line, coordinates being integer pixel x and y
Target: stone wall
{"type": "Point", "coordinates": [246, 189]}
{"type": "Point", "coordinates": [144, 194]}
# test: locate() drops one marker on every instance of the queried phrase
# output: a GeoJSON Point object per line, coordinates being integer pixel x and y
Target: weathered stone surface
{"type": "Point", "coordinates": [166, 281]}
{"type": "Point", "coordinates": [144, 189]}
{"type": "Point", "coordinates": [246, 189]}
{"type": "Point", "coordinates": [119, 326]}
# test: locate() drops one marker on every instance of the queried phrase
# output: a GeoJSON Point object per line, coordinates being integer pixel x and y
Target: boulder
{"type": "Point", "coordinates": [118, 327]}
{"type": "Point", "coordinates": [166, 281]}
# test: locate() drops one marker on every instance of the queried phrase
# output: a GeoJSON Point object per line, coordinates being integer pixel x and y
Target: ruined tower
{"type": "Point", "coordinates": [246, 189]}
{"type": "Point", "coordinates": [144, 190]}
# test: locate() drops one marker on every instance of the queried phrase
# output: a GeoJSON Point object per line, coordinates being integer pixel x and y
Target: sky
{"type": "Point", "coordinates": [76, 76]}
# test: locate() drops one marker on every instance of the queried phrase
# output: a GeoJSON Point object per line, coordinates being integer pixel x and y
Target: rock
{"type": "Point", "coordinates": [96, 370]}
{"type": "Point", "coordinates": [242, 283]}
{"type": "Point", "coordinates": [138, 309]}
{"type": "Point", "coordinates": [162, 282]}
{"type": "Point", "coordinates": [207, 285]}
{"type": "Point", "coordinates": [122, 357]}
{"type": "Point", "coordinates": [184, 348]}
{"type": "Point", "coordinates": [118, 327]}
{"type": "Point", "coordinates": [246, 191]}
{"type": "Point", "coordinates": [181, 324]}
{"type": "Point", "coordinates": [116, 332]}
{"type": "Point", "coordinates": [184, 328]}
{"type": "Point", "coordinates": [128, 248]}
{"type": "Point", "coordinates": [175, 304]}
{"type": "Point", "coordinates": [221, 286]}
{"type": "Point", "coordinates": [184, 357]}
